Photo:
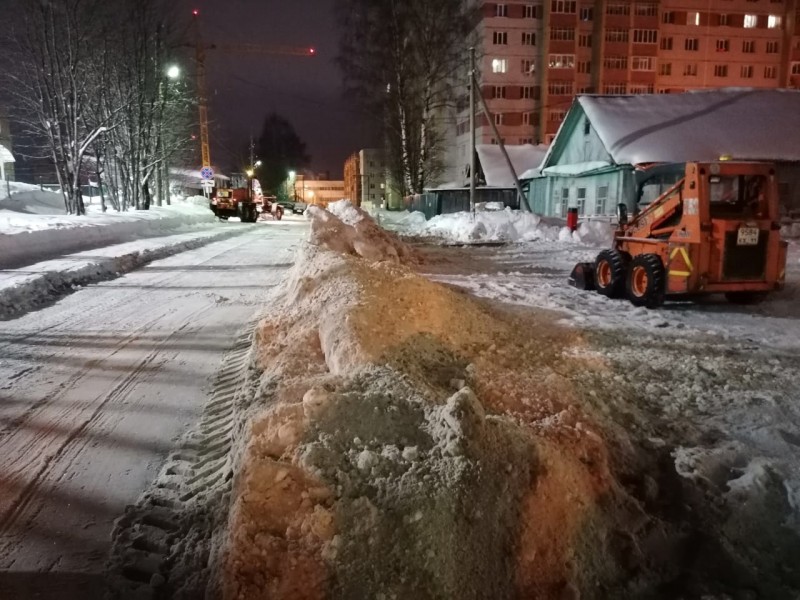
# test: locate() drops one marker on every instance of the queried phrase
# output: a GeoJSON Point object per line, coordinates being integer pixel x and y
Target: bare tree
{"type": "Point", "coordinates": [401, 59]}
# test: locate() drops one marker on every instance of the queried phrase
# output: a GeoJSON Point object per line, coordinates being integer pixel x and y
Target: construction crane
{"type": "Point", "coordinates": [200, 57]}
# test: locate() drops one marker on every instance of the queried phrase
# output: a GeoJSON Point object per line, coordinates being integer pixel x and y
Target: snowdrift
{"type": "Point", "coordinates": [490, 226]}
{"type": "Point", "coordinates": [33, 226]}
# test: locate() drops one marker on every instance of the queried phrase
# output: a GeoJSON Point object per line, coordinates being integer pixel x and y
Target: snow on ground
{"type": "Point", "coordinates": [400, 438]}
{"type": "Point", "coordinates": [33, 225]}
{"type": "Point", "coordinates": [32, 286]}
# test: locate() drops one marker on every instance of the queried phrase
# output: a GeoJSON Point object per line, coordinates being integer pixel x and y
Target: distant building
{"type": "Point", "coordinates": [352, 178]}
{"type": "Point", "coordinates": [535, 56]}
{"type": "Point", "coordinates": [6, 157]}
{"type": "Point", "coordinates": [319, 192]}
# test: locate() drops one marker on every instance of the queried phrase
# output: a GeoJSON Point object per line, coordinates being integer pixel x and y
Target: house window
{"type": "Point", "coordinates": [585, 40]}
{"type": "Point", "coordinates": [587, 127]}
{"type": "Point", "coordinates": [528, 38]}
{"type": "Point", "coordinates": [530, 12]}
{"type": "Point", "coordinates": [617, 35]}
{"type": "Point", "coordinates": [723, 20]}
{"type": "Point", "coordinates": [560, 88]}
{"type": "Point", "coordinates": [693, 18]}
{"type": "Point", "coordinates": [690, 70]}
{"type": "Point", "coordinates": [750, 21]}
{"type": "Point", "coordinates": [600, 200]}
{"type": "Point", "coordinates": [564, 201]}
{"type": "Point", "coordinates": [501, 10]}
{"type": "Point", "coordinates": [666, 43]}
{"type": "Point", "coordinates": [641, 89]}
{"type": "Point", "coordinates": [723, 45]}
{"type": "Point", "coordinates": [720, 70]}
{"type": "Point", "coordinates": [796, 68]}
{"type": "Point", "coordinates": [772, 47]}
{"type": "Point", "coordinates": [581, 201]}
{"type": "Point", "coordinates": [499, 91]}
{"type": "Point", "coordinates": [615, 62]}
{"type": "Point", "coordinates": [668, 17]}
{"type": "Point", "coordinates": [526, 66]}
{"type": "Point", "coordinates": [526, 118]}
{"type": "Point", "coordinates": [646, 9]}
{"type": "Point", "coordinates": [748, 46]}
{"type": "Point", "coordinates": [500, 38]}
{"type": "Point", "coordinates": [773, 21]}
{"type": "Point", "coordinates": [645, 36]}
{"type": "Point", "coordinates": [587, 13]}
{"type": "Point", "coordinates": [770, 73]}
{"type": "Point", "coordinates": [556, 116]}
{"type": "Point", "coordinates": [563, 6]}
{"type": "Point", "coordinates": [562, 61]}
{"type": "Point", "coordinates": [691, 44]}
{"type": "Point", "coordinates": [498, 118]}
{"type": "Point", "coordinates": [665, 69]}
{"type": "Point", "coordinates": [642, 63]}
{"type": "Point", "coordinates": [562, 34]}
{"type": "Point", "coordinates": [530, 92]}
{"type": "Point", "coordinates": [584, 66]}
{"type": "Point", "coordinates": [746, 71]}
{"type": "Point", "coordinates": [499, 65]}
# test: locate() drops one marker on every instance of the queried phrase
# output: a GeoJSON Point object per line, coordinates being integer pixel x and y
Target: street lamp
{"type": "Point", "coordinates": [174, 72]}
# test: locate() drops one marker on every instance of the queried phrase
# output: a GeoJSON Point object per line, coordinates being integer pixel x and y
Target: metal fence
{"type": "Point", "coordinates": [441, 202]}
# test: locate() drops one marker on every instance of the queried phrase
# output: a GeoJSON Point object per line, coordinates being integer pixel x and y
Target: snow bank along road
{"type": "Point", "coordinates": [94, 391]}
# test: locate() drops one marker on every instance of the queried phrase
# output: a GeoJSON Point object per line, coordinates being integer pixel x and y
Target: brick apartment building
{"type": "Point", "coordinates": [534, 57]}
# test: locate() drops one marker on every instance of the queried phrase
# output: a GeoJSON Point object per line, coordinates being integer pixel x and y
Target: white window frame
{"type": "Point", "coordinates": [499, 65]}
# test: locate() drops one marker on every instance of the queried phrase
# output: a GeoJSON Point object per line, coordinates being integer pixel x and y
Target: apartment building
{"type": "Point", "coordinates": [534, 57]}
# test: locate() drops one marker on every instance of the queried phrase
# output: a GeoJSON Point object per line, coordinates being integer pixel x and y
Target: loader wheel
{"type": "Point", "coordinates": [745, 297]}
{"type": "Point", "coordinates": [646, 281]}
{"type": "Point", "coordinates": [609, 273]}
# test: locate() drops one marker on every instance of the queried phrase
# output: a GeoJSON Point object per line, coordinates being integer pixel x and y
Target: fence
{"type": "Point", "coordinates": [441, 202]}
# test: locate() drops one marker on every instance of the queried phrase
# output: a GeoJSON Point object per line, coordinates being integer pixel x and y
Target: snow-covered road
{"type": "Point", "coordinates": [95, 390]}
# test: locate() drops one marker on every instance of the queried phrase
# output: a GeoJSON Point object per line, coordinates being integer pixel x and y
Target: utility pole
{"type": "Point", "coordinates": [472, 130]}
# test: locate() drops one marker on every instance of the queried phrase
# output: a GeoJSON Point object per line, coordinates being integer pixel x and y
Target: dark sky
{"type": "Point", "coordinates": [306, 91]}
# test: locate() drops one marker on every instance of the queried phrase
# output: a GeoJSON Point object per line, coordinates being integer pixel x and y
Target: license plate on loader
{"type": "Point", "coordinates": [747, 236]}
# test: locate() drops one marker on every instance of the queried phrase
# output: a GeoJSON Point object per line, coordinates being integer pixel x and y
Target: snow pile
{"type": "Point", "coordinates": [29, 233]}
{"type": "Point", "coordinates": [354, 232]}
{"type": "Point", "coordinates": [491, 225]}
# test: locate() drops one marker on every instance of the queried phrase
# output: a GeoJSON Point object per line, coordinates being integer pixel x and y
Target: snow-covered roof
{"type": "Point", "coordinates": [577, 168]}
{"type": "Point", "coordinates": [5, 155]}
{"type": "Point", "coordinates": [524, 158]}
{"type": "Point", "coordinates": [746, 124]}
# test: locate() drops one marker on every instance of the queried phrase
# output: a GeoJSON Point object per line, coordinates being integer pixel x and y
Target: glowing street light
{"type": "Point", "coordinates": [249, 172]}
{"type": "Point", "coordinates": [292, 175]}
{"type": "Point", "coordinates": [174, 72]}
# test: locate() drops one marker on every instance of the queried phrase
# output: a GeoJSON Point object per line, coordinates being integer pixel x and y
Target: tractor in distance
{"type": "Point", "coordinates": [243, 199]}
{"type": "Point", "coordinates": [715, 230]}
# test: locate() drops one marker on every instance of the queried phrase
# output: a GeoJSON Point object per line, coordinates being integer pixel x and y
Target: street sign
{"type": "Point", "coordinates": [207, 185]}
{"type": "Point", "coordinates": [207, 173]}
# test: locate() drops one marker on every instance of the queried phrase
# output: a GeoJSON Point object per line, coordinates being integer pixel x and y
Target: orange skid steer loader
{"type": "Point", "coordinates": [715, 231]}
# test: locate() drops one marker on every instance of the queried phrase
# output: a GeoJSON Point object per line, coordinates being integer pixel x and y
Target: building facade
{"type": "Point", "coordinates": [352, 179]}
{"type": "Point", "coordinates": [373, 177]}
{"type": "Point", "coordinates": [535, 57]}
{"type": "Point", "coordinates": [319, 192]}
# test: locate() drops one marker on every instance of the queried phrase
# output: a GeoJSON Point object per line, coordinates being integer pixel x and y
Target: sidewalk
{"type": "Point", "coordinates": [24, 289]}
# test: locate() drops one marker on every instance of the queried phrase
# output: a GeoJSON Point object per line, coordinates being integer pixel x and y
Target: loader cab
{"type": "Point", "coordinates": [738, 196]}
{"type": "Point", "coordinates": [653, 181]}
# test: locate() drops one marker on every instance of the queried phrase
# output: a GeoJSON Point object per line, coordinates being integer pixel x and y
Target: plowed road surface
{"type": "Point", "coordinates": [95, 390]}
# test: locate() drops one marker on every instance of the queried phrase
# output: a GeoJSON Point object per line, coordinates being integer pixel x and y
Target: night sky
{"type": "Point", "coordinates": [306, 91]}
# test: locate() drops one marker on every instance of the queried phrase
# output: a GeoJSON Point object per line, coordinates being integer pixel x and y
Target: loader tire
{"type": "Point", "coordinates": [646, 281]}
{"type": "Point", "coordinates": [609, 273]}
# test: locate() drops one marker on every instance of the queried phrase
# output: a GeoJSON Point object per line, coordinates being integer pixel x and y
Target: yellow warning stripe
{"type": "Point", "coordinates": [685, 256]}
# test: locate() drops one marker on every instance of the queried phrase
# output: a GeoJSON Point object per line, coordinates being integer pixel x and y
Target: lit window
{"type": "Point", "coordinates": [562, 61]}
{"type": "Point", "coordinates": [750, 21]}
{"type": "Point", "coordinates": [693, 18]}
{"type": "Point", "coordinates": [499, 65]}
{"type": "Point", "coordinates": [773, 21]}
